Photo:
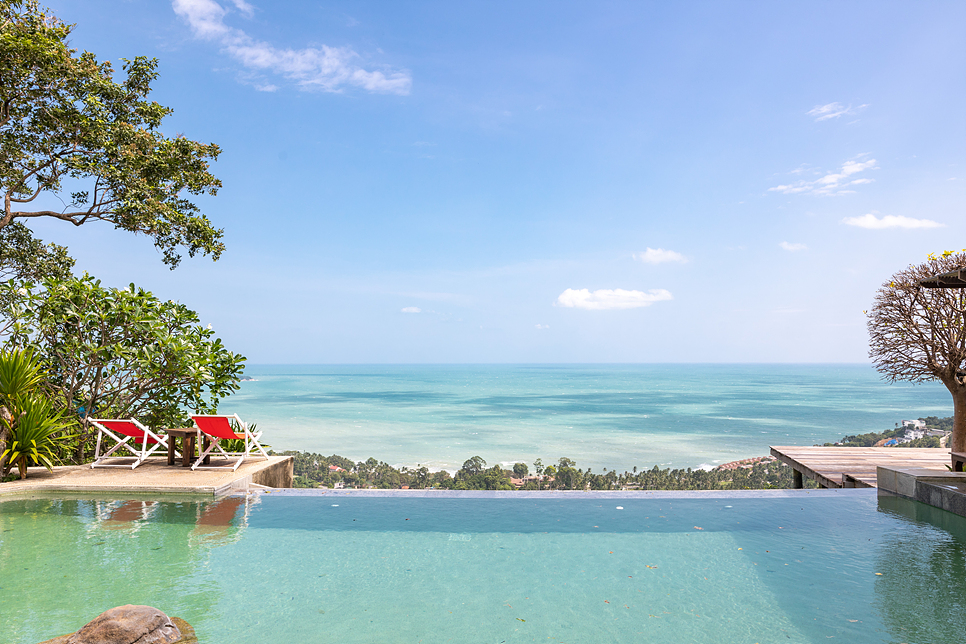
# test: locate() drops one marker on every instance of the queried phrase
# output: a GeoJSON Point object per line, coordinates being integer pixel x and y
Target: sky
{"type": "Point", "coordinates": [542, 182]}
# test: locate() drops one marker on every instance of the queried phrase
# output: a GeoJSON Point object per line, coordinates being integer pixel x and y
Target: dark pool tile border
{"type": "Point", "coordinates": [635, 494]}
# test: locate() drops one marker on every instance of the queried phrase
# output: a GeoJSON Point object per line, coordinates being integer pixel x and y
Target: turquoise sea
{"type": "Point", "coordinates": [602, 416]}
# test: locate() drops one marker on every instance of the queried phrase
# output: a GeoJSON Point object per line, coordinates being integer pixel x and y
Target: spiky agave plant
{"type": "Point", "coordinates": [20, 375]}
{"type": "Point", "coordinates": [35, 434]}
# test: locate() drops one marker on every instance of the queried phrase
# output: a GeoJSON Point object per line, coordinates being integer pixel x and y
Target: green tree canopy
{"type": "Point", "coordinates": [473, 466]}
{"type": "Point", "coordinates": [120, 352]}
{"type": "Point", "coordinates": [24, 257]}
{"type": "Point", "coordinates": [67, 125]}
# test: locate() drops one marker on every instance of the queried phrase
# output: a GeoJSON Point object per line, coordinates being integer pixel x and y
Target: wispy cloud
{"type": "Point", "coordinates": [604, 299]}
{"type": "Point", "coordinates": [322, 68]}
{"type": "Point", "coordinates": [659, 256]}
{"type": "Point", "coordinates": [411, 309]}
{"type": "Point", "coordinates": [832, 183]}
{"type": "Point", "coordinates": [834, 111]}
{"type": "Point", "coordinates": [793, 247]}
{"type": "Point", "coordinates": [246, 9]}
{"type": "Point", "coordinates": [890, 221]}
{"type": "Point", "coordinates": [542, 326]}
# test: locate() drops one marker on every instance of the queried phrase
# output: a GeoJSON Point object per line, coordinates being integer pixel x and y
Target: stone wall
{"type": "Point", "coordinates": [278, 474]}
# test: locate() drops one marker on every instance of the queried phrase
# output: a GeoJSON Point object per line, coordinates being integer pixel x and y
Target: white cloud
{"type": "Point", "coordinates": [244, 7]}
{"type": "Point", "coordinates": [659, 256]}
{"type": "Point", "coordinates": [890, 221]}
{"type": "Point", "coordinates": [834, 110]}
{"type": "Point", "coordinates": [412, 309]}
{"type": "Point", "coordinates": [610, 298]}
{"type": "Point", "coordinates": [832, 183]}
{"type": "Point", "coordinates": [542, 326]}
{"type": "Point", "coordinates": [324, 68]}
{"type": "Point", "coordinates": [793, 247]}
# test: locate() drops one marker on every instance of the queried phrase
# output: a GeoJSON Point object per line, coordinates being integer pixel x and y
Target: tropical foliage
{"type": "Point", "coordinates": [31, 430]}
{"type": "Point", "coordinates": [23, 257]}
{"type": "Point", "coordinates": [65, 121]}
{"type": "Point", "coordinates": [121, 353]}
{"type": "Point", "coordinates": [316, 470]}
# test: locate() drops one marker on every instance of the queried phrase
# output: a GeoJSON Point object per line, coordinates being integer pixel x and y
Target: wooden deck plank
{"type": "Point", "coordinates": [827, 465]}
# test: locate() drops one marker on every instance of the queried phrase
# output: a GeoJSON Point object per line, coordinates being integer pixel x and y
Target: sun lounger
{"type": "Point", "coordinates": [219, 428]}
{"type": "Point", "coordinates": [223, 521]}
{"type": "Point", "coordinates": [136, 440]}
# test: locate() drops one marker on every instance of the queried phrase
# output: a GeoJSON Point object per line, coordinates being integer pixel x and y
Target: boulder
{"type": "Point", "coordinates": [131, 625]}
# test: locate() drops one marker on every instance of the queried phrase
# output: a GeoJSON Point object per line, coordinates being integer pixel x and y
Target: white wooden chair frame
{"type": "Point", "coordinates": [140, 454]}
{"type": "Point", "coordinates": [251, 443]}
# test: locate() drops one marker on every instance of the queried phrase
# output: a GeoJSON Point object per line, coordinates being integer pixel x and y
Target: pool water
{"type": "Point", "coordinates": [347, 568]}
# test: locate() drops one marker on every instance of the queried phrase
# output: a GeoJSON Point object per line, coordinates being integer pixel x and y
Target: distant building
{"type": "Point", "coordinates": [913, 434]}
{"type": "Point", "coordinates": [914, 424]}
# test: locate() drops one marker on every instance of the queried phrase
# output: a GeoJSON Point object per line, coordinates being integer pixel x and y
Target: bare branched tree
{"type": "Point", "coordinates": [919, 334]}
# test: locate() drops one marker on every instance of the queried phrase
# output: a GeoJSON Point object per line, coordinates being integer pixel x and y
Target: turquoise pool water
{"type": "Point", "coordinates": [347, 568]}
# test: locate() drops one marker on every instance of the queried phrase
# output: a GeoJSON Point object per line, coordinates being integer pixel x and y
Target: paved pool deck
{"type": "Point", "coordinates": [155, 476]}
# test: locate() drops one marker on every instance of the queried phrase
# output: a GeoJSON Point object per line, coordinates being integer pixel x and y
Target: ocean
{"type": "Point", "coordinates": [601, 416]}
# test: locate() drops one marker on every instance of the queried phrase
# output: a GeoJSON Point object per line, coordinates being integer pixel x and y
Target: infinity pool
{"type": "Point", "coordinates": [347, 568]}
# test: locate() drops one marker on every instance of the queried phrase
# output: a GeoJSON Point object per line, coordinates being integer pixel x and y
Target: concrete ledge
{"type": "Point", "coordinates": [155, 476]}
{"type": "Point", "coordinates": [938, 488]}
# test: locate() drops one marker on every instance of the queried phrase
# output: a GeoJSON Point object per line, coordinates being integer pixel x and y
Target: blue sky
{"type": "Point", "coordinates": [548, 181]}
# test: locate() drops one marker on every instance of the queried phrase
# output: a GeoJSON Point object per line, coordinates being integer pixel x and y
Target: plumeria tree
{"type": "Point", "coordinates": [120, 353]}
{"type": "Point", "coordinates": [919, 334]}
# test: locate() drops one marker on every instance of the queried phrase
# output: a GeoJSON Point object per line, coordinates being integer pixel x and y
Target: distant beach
{"type": "Point", "coordinates": [601, 416]}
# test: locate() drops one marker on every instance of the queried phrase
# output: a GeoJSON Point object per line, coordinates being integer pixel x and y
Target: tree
{"type": "Point", "coordinates": [520, 470]}
{"type": "Point", "coordinates": [568, 476]}
{"type": "Point", "coordinates": [23, 257]}
{"type": "Point", "coordinates": [65, 120]}
{"type": "Point", "coordinates": [918, 334]}
{"type": "Point", "coordinates": [550, 472]}
{"type": "Point", "coordinates": [120, 352]}
{"type": "Point", "coordinates": [473, 466]}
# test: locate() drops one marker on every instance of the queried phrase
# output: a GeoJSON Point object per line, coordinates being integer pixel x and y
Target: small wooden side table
{"type": "Point", "coordinates": [187, 436]}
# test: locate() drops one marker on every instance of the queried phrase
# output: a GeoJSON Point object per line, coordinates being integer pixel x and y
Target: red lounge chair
{"type": "Point", "coordinates": [222, 522]}
{"type": "Point", "coordinates": [132, 430]}
{"type": "Point", "coordinates": [218, 428]}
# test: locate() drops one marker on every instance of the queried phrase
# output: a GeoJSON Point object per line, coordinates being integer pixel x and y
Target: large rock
{"type": "Point", "coordinates": [130, 625]}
